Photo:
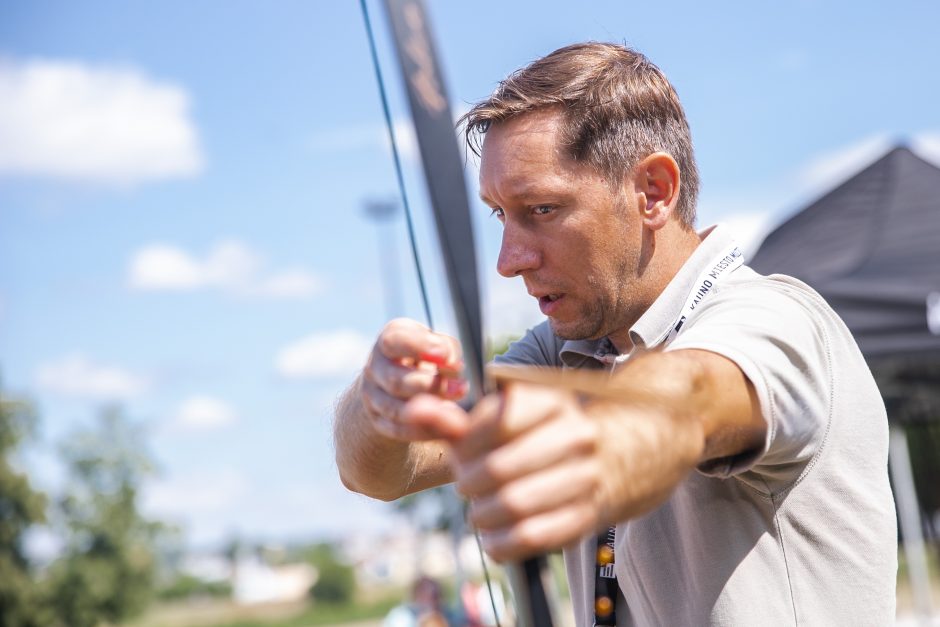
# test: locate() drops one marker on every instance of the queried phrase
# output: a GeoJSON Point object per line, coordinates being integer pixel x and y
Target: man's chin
{"type": "Point", "coordinates": [573, 331]}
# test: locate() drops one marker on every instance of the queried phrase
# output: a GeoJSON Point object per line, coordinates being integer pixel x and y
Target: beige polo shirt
{"type": "Point", "coordinates": [803, 532]}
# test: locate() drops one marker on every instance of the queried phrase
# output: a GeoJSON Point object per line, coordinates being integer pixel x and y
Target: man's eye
{"type": "Point", "coordinates": [499, 213]}
{"type": "Point", "coordinates": [542, 210]}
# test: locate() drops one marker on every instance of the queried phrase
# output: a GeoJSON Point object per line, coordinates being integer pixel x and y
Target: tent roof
{"type": "Point", "coordinates": [871, 247]}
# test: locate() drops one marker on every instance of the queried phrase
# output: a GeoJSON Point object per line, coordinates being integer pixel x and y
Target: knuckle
{"type": "Point", "coordinates": [494, 469]}
{"type": "Point", "coordinates": [498, 553]}
{"type": "Point", "coordinates": [397, 324]}
{"type": "Point", "coordinates": [396, 386]}
{"type": "Point", "coordinates": [368, 403]}
{"type": "Point", "coordinates": [512, 502]}
{"type": "Point", "coordinates": [386, 342]}
{"type": "Point", "coordinates": [527, 538]}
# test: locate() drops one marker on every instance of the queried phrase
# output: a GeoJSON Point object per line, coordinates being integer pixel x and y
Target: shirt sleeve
{"type": "Point", "coordinates": [777, 335]}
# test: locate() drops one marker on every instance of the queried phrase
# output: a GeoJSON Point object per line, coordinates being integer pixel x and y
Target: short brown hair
{"type": "Point", "coordinates": [618, 109]}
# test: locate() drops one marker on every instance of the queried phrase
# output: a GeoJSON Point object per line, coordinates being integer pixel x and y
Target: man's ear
{"type": "Point", "coordinates": [657, 178]}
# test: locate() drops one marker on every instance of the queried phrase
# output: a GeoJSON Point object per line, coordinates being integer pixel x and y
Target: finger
{"type": "Point", "coordinates": [497, 419]}
{"type": "Point", "coordinates": [396, 419]}
{"type": "Point", "coordinates": [379, 403]}
{"type": "Point", "coordinates": [445, 423]}
{"type": "Point", "coordinates": [404, 381]}
{"type": "Point", "coordinates": [546, 445]}
{"type": "Point", "coordinates": [553, 489]}
{"type": "Point", "coordinates": [546, 532]}
{"type": "Point", "coordinates": [404, 339]}
{"type": "Point", "coordinates": [432, 415]}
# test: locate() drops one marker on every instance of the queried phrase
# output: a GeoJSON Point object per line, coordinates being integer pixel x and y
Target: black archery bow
{"type": "Point", "coordinates": [444, 174]}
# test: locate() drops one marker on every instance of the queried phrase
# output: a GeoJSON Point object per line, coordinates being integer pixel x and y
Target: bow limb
{"type": "Point", "coordinates": [444, 174]}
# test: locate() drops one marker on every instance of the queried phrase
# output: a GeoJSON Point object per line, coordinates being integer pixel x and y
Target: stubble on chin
{"type": "Point", "coordinates": [588, 326]}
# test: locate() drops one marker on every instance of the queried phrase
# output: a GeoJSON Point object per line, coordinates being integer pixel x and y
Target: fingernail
{"type": "Point", "coordinates": [434, 356]}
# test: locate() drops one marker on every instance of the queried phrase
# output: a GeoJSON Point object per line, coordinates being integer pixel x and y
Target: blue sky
{"type": "Point", "coordinates": [181, 193]}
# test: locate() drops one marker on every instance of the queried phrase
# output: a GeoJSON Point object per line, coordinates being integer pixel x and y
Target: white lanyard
{"type": "Point", "coordinates": [724, 263]}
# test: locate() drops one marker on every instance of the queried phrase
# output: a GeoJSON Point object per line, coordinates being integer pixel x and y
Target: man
{"type": "Point", "coordinates": [740, 446]}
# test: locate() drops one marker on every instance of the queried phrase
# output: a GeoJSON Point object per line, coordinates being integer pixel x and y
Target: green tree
{"type": "Point", "coordinates": [336, 581]}
{"type": "Point", "coordinates": [106, 573]}
{"type": "Point", "coordinates": [20, 508]}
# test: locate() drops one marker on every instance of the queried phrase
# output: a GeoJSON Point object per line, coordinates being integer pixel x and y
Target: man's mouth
{"type": "Point", "coordinates": [550, 302]}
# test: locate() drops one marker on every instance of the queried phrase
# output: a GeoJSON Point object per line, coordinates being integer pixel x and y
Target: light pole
{"type": "Point", "coordinates": [384, 213]}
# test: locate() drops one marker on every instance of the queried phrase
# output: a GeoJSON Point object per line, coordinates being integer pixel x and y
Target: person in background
{"type": "Point", "coordinates": [426, 608]}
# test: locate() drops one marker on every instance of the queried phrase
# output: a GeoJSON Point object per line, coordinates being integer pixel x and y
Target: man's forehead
{"type": "Point", "coordinates": [538, 125]}
{"type": "Point", "coordinates": [524, 155]}
{"type": "Point", "coordinates": [530, 139]}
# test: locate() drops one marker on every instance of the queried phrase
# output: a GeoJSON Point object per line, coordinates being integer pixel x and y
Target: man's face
{"type": "Point", "coordinates": [574, 239]}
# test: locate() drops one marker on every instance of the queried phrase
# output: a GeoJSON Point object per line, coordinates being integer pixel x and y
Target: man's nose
{"type": "Point", "coordinates": [517, 255]}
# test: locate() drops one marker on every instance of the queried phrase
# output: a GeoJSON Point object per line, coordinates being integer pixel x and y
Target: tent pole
{"type": "Point", "coordinates": [899, 461]}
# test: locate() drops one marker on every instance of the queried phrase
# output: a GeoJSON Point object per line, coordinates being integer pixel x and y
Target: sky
{"type": "Point", "coordinates": [182, 194]}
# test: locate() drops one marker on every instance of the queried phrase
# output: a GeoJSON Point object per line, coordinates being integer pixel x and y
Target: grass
{"type": "Point", "coordinates": [324, 614]}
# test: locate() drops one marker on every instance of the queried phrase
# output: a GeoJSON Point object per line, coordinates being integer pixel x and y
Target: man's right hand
{"type": "Point", "coordinates": [411, 383]}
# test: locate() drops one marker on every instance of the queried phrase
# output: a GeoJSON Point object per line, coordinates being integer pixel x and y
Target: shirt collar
{"type": "Point", "coordinates": [653, 326]}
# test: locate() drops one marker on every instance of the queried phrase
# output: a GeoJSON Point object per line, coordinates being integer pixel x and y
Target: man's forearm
{"type": "Point", "coordinates": [706, 409]}
{"type": "Point", "coordinates": [377, 466]}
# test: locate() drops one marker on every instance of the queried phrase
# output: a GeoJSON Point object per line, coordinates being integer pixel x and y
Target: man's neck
{"type": "Point", "coordinates": [673, 248]}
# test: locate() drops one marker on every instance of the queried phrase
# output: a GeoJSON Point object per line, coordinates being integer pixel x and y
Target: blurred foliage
{"type": "Point", "coordinates": [498, 346]}
{"type": "Point", "coordinates": [910, 387]}
{"type": "Point", "coordinates": [21, 602]}
{"type": "Point", "coordinates": [106, 572]}
{"type": "Point", "coordinates": [336, 581]}
{"type": "Point", "coordinates": [923, 441]}
{"type": "Point", "coordinates": [323, 615]}
{"type": "Point", "coordinates": [189, 587]}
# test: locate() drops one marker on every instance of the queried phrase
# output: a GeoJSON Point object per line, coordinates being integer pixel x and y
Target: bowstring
{"type": "Point", "coordinates": [386, 111]}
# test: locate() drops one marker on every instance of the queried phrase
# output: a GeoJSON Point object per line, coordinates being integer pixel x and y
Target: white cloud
{"type": "Point", "coordinates": [337, 353]}
{"type": "Point", "coordinates": [160, 266]}
{"type": "Point", "coordinates": [203, 413]}
{"type": "Point", "coordinates": [927, 145]}
{"type": "Point", "coordinates": [749, 229]}
{"type": "Point", "coordinates": [76, 375]}
{"type": "Point", "coordinates": [831, 168]}
{"type": "Point", "coordinates": [230, 266]}
{"type": "Point", "coordinates": [65, 119]}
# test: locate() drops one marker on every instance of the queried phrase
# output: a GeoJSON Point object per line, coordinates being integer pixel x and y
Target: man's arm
{"type": "Point", "coordinates": [390, 424]}
{"type": "Point", "coordinates": [378, 466]}
{"type": "Point", "coordinates": [707, 410]}
{"type": "Point", "coordinates": [544, 468]}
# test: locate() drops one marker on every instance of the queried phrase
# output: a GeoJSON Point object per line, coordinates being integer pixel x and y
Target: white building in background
{"type": "Point", "coordinates": [256, 582]}
{"type": "Point", "coordinates": [398, 559]}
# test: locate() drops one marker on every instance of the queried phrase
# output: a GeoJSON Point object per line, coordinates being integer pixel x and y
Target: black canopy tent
{"type": "Point", "coordinates": [871, 247]}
